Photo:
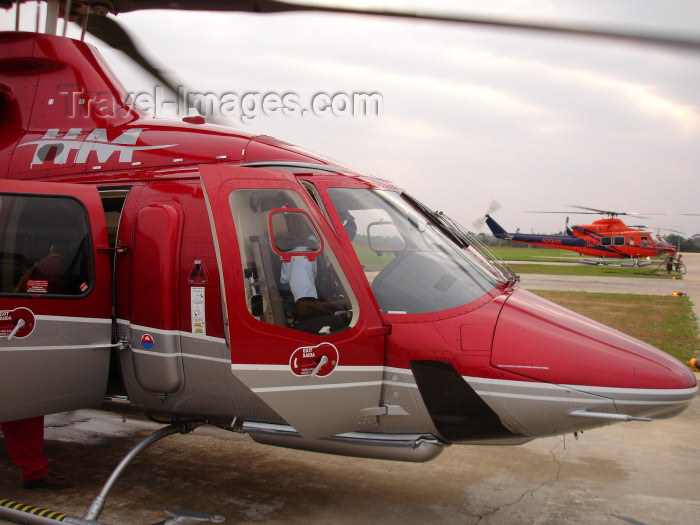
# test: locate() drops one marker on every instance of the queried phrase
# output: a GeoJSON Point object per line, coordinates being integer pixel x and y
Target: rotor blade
{"type": "Point", "coordinates": [613, 214]}
{"type": "Point", "coordinates": [593, 212]}
{"type": "Point", "coordinates": [596, 211]}
{"type": "Point", "coordinates": [274, 6]}
{"type": "Point", "coordinates": [564, 212]}
{"type": "Point", "coordinates": [477, 224]}
{"type": "Point", "coordinates": [601, 212]}
{"type": "Point", "coordinates": [111, 33]}
{"type": "Point", "coordinates": [494, 206]}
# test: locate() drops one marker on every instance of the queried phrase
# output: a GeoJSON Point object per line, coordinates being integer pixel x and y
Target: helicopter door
{"type": "Point", "coordinates": [55, 317]}
{"type": "Point", "coordinates": [320, 371]}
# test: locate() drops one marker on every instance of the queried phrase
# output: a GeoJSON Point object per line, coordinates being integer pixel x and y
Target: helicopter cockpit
{"type": "Point", "coordinates": [292, 277]}
{"type": "Point", "coordinates": [661, 243]}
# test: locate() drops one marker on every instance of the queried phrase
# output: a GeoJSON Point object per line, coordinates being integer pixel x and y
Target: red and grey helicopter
{"type": "Point", "coordinates": [607, 238]}
{"type": "Point", "coordinates": [150, 259]}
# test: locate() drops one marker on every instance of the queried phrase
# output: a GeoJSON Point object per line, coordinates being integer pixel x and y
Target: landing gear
{"type": "Point", "coordinates": [177, 516]}
{"type": "Point", "coordinates": [21, 513]}
{"type": "Point", "coordinates": [634, 263]}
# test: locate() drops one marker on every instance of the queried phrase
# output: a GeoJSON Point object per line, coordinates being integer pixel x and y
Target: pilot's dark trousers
{"type": "Point", "coordinates": [25, 443]}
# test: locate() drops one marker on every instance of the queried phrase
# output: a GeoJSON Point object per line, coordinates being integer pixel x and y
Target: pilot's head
{"type": "Point", "coordinates": [348, 223]}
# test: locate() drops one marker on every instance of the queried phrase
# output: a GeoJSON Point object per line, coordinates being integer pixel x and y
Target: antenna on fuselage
{"type": "Point", "coordinates": [51, 21]}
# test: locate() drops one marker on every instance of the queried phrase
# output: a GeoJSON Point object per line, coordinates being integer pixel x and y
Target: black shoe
{"type": "Point", "coordinates": [50, 481]}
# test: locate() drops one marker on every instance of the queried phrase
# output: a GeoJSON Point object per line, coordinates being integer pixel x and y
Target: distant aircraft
{"type": "Point", "coordinates": [605, 238]}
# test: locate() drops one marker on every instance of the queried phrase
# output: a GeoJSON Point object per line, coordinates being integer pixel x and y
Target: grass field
{"type": "Point", "coordinates": [524, 260]}
{"type": "Point", "coordinates": [665, 322]}
{"type": "Point", "coordinates": [370, 260]}
{"type": "Point", "coordinates": [536, 254]}
{"type": "Point", "coordinates": [527, 256]}
{"type": "Point", "coordinates": [605, 271]}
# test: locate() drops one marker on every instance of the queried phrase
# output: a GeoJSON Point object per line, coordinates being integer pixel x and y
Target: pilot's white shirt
{"type": "Point", "coordinates": [300, 274]}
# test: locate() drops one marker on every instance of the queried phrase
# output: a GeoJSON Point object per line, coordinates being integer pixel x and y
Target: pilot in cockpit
{"type": "Point", "coordinates": [310, 283]}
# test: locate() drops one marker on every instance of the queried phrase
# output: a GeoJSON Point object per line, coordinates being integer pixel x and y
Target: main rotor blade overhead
{"type": "Point", "coordinates": [111, 33]}
{"type": "Point", "coordinates": [609, 213]}
{"type": "Point", "coordinates": [641, 215]}
{"type": "Point", "coordinates": [596, 211]}
{"type": "Point", "coordinates": [106, 29]}
{"type": "Point", "coordinates": [600, 212]}
{"type": "Point", "coordinates": [275, 6]}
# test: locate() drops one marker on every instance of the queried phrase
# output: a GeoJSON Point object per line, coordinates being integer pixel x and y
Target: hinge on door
{"type": "Point", "coordinates": [119, 248]}
{"type": "Point", "coordinates": [378, 330]}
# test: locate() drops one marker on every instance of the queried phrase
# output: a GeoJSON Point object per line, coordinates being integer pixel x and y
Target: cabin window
{"type": "Point", "coordinates": [645, 240]}
{"type": "Point", "coordinates": [44, 246]}
{"type": "Point", "coordinates": [619, 241]}
{"type": "Point", "coordinates": [606, 241]}
{"type": "Point", "coordinates": [292, 278]}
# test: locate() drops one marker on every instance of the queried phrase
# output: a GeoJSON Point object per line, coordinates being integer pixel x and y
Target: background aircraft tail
{"type": "Point", "coordinates": [495, 228]}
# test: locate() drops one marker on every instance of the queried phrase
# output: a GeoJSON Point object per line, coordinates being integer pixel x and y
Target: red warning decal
{"type": "Point", "coordinates": [318, 360]}
{"type": "Point", "coordinates": [17, 323]}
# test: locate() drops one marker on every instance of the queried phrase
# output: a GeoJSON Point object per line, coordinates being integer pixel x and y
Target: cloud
{"type": "Point", "coordinates": [470, 114]}
{"type": "Point", "coordinates": [645, 98]}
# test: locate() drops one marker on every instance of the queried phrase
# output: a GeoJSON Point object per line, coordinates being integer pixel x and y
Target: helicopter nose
{"type": "Point", "coordinates": [665, 247]}
{"type": "Point", "coordinates": [542, 341]}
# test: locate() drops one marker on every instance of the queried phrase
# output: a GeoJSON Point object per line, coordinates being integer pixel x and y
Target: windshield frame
{"type": "Point", "coordinates": [430, 244]}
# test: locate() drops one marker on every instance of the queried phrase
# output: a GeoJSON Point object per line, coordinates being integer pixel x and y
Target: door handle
{"type": "Point", "coordinates": [321, 362]}
{"type": "Point", "coordinates": [20, 324]}
{"type": "Point", "coordinates": [314, 361]}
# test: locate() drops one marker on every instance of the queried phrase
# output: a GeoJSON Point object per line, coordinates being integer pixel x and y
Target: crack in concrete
{"type": "Point", "coordinates": [631, 521]}
{"type": "Point", "coordinates": [528, 492]}
{"type": "Point", "coordinates": [70, 423]}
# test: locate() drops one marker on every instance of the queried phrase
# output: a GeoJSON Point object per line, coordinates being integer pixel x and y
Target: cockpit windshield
{"type": "Point", "coordinates": [411, 265]}
{"type": "Point", "coordinates": [659, 241]}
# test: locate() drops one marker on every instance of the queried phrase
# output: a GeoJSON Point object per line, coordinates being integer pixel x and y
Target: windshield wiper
{"type": "Point", "coordinates": [464, 238]}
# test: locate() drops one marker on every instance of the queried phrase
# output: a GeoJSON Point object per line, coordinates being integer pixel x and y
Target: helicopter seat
{"type": "Point", "coordinates": [268, 267]}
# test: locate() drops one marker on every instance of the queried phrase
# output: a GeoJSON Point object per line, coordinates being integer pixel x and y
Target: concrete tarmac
{"type": "Point", "coordinates": [629, 473]}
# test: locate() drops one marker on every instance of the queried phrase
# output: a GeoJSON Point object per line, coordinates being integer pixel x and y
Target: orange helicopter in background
{"type": "Point", "coordinates": [607, 238]}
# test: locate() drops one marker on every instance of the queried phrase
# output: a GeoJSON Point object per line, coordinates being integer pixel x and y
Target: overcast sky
{"type": "Point", "coordinates": [470, 115]}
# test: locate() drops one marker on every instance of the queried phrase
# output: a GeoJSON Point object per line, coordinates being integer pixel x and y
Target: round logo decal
{"type": "Point", "coordinates": [147, 341]}
{"type": "Point", "coordinates": [318, 360]}
{"type": "Point", "coordinates": [17, 323]}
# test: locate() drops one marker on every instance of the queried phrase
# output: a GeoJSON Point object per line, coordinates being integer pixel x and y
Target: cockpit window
{"type": "Point", "coordinates": [410, 264]}
{"type": "Point", "coordinates": [292, 277]}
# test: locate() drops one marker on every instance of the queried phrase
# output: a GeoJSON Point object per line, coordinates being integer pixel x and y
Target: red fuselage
{"type": "Point", "coordinates": [421, 336]}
